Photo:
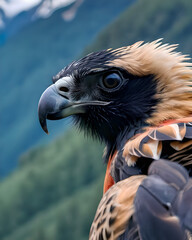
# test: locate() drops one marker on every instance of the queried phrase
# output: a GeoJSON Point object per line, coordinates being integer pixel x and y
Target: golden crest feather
{"type": "Point", "coordinates": [171, 70]}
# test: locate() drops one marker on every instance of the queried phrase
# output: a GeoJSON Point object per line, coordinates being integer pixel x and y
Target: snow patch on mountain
{"type": "Point", "coordinates": [14, 7]}
{"type": "Point", "coordinates": [16, 14]}
{"type": "Point", "coordinates": [48, 7]}
{"type": "Point", "coordinates": [9, 9]}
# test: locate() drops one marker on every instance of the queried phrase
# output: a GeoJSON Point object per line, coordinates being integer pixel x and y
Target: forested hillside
{"type": "Point", "coordinates": [55, 191]}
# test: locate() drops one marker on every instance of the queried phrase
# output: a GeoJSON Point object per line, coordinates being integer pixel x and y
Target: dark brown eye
{"type": "Point", "coordinates": [112, 80]}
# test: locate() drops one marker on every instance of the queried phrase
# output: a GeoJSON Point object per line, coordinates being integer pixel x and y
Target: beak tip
{"type": "Point", "coordinates": [43, 123]}
{"type": "Point", "coordinates": [46, 131]}
{"type": "Point", "coordinates": [42, 117]}
{"type": "Point", "coordinates": [44, 127]}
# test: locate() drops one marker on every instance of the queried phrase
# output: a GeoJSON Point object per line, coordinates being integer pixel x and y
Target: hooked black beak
{"type": "Point", "coordinates": [53, 106]}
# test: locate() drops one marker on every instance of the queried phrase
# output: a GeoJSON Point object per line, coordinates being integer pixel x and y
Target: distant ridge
{"type": "Point", "coordinates": [14, 15]}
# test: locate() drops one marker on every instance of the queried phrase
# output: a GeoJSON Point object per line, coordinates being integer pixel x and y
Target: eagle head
{"type": "Point", "coordinates": [114, 91]}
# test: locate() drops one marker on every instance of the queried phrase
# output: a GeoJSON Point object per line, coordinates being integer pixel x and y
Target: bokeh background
{"type": "Point", "coordinates": [50, 186]}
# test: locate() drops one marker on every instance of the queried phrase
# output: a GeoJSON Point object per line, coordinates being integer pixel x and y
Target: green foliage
{"type": "Point", "coordinates": [70, 218]}
{"type": "Point", "coordinates": [55, 185]}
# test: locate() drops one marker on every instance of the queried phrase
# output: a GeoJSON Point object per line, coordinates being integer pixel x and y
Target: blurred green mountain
{"type": "Point", "coordinates": [27, 63]}
{"type": "Point", "coordinates": [149, 20]}
{"type": "Point", "coordinates": [55, 191]}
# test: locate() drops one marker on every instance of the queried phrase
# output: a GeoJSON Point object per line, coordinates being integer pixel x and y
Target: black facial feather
{"type": "Point", "coordinates": [130, 104]}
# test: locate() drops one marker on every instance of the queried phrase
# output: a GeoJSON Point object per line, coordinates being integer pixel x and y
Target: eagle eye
{"type": "Point", "coordinates": [111, 80]}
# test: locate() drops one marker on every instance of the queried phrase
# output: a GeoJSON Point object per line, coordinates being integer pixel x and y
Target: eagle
{"type": "Point", "coordinates": [136, 99]}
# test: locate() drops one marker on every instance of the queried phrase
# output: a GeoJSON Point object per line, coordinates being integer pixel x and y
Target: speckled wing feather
{"type": "Point", "coordinates": [153, 207]}
{"type": "Point", "coordinates": [163, 206]}
{"type": "Point", "coordinates": [156, 143]}
{"type": "Point", "coordinates": [115, 210]}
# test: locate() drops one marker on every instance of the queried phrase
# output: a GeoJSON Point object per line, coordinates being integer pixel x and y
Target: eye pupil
{"type": "Point", "coordinates": [112, 80]}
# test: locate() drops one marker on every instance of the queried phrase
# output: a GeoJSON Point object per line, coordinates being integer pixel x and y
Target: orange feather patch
{"type": "Point", "coordinates": [108, 182]}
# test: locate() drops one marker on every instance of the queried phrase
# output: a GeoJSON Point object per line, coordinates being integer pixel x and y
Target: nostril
{"type": "Point", "coordinates": [64, 89]}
